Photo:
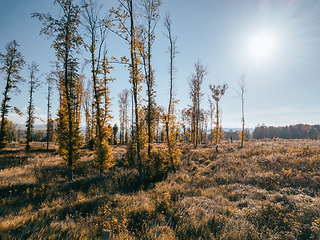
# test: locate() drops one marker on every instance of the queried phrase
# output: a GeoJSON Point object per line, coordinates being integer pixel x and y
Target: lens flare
{"type": "Point", "coordinates": [262, 46]}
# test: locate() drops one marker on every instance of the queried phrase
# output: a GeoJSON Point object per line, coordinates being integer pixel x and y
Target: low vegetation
{"type": "Point", "coordinates": [267, 190]}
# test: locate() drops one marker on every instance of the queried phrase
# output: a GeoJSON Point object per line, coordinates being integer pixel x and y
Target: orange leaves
{"type": "Point", "coordinates": [124, 59]}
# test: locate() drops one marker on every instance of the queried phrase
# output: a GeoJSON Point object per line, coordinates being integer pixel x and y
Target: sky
{"type": "Point", "coordinates": [275, 44]}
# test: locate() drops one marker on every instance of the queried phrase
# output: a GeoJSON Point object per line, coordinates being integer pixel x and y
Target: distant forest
{"type": "Point", "coordinates": [298, 131]}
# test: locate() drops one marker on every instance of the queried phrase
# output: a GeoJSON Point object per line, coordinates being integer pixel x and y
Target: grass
{"type": "Point", "coordinates": [267, 190]}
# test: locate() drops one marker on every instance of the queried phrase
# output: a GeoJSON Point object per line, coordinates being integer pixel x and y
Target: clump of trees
{"type": "Point", "coordinates": [195, 94]}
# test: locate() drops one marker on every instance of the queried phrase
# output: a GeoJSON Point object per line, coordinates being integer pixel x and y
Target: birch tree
{"type": "Point", "coordinates": [123, 101]}
{"type": "Point", "coordinates": [241, 92]}
{"type": "Point", "coordinates": [88, 113]}
{"type": "Point", "coordinates": [170, 119]}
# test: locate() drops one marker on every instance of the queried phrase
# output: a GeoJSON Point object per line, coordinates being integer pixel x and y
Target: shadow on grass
{"type": "Point", "coordinates": [115, 181]}
{"type": "Point", "coordinates": [64, 213]}
{"type": "Point", "coordinates": [50, 174]}
{"type": "Point", "coordinates": [43, 150]}
{"type": "Point", "coordinates": [59, 173]}
{"type": "Point", "coordinates": [7, 161]}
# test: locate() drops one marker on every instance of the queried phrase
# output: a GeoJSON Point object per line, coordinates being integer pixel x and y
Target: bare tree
{"type": "Point", "coordinates": [34, 83]}
{"type": "Point", "coordinates": [52, 79]}
{"type": "Point", "coordinates": [88, 113]}
{"type": "Point", "coordinates": [185, 121]}
{"type": "Point", "coordinates": [174, 152]}
{"type": "Point", "coordinates": [211, 114]}
{"type": "Point", "coordinates": [241, 92]}
{"type": "Point", "coordinates": [159, 113]}
{"type": "Point", "coordinates": [204, 125]}
{"type": "Point", "coordinates": [11, 64]}
{"type": "Point", "coordinates": [123, 101]}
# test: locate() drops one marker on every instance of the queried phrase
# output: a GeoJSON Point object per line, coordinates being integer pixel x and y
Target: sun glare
{"type": "Point", "coordinates": [262, 46]}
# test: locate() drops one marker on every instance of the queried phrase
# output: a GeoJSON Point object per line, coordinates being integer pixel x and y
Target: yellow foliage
{"type": "Point", "coordinates": [217, 133]}
{"type": "Point", "coordinates": [242, 135]}
{"type": "Point", "coordinates": [102, 151]}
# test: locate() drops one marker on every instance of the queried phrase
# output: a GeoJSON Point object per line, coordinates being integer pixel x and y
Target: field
{"type": "Point", "coordinates": [267, 190]}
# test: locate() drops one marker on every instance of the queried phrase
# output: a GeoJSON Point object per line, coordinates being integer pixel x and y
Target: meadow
{"type": "Point", "coordinates": [267, 190]}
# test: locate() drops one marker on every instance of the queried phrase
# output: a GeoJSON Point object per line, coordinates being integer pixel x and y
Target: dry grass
{"type": "Point", "coordinates": [267, 190]}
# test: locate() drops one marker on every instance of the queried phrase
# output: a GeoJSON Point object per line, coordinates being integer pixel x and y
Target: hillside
{"type": "Point", "coordinates": [267, 190]}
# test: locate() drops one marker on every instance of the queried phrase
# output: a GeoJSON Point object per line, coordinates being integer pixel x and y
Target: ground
{"type": "Point", "coordinates": [267, 190]}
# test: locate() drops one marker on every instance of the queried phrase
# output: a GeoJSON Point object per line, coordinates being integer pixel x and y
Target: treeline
{"type": "Point", "coordinates": [183, 135]}
{"type": "Point", "coordinates": [298, 131]}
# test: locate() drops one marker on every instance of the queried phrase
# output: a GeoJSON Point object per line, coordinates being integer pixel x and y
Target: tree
{"type": "Point", "coordinates": [114, 132]}
{"type": "Point", "coordinates": [96, 32]}
{"type": "Point", "coordinates": [88, 113]}
{"type": "Point", "coordinates": [203, 123]}
{"type": "Point", "coordinates": [170, 120]}
{"type": "Point", "coordinates": [125, 15]}
{"type": "Point", "coordinates": [19, 133]}
{"type": "Point", "coordinates": [211, 114]}
{"type": "Point", "coordinates": [196, 95]}
{"type": "Point", "coordinates": [11, 131]}
{"type": "Point", "coordinates": [150, 13]}
{"type": "Point", "coordinates": [242, 90]}
{"type": "Point", "coordinates": [185, 120]}
{"type": "Point", "coordinates": [123, 102]}
{"type": "Point", "coordinates": [11, 64]}
{"type": "Point", "coordinates": [217, 92]}
{"type": "Point", "coordinates": [51, 79]}
{"type": "Point", "coordinates": [34, 83]}
{"type": "Point", "coordinates": [159, 113]}
{"type": "Point", "coordinates": [66, 43]}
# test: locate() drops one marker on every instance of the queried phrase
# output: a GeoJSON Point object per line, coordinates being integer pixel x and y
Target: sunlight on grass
{"type": "Point", "coordinates": [267, 190]}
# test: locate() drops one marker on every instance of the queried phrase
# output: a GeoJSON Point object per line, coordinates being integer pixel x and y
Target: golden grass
{"type": "Point", "coordinates": [267, 190]}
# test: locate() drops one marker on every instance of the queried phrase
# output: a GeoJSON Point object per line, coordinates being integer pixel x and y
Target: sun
{"type": "Point", "coordinates": [262, 45]}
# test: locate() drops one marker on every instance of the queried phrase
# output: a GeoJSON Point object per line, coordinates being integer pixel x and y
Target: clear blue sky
{"type": "Point", "coordinates": [283, 80]}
